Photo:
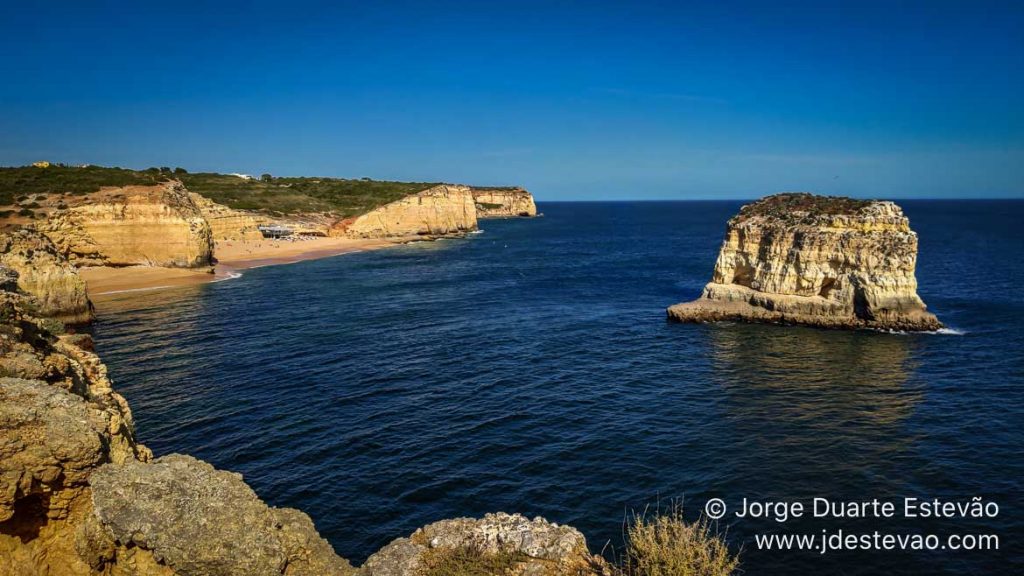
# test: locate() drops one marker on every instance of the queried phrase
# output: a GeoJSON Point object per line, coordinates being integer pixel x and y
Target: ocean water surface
{"type": "Point", "coordinates": [530, 368]}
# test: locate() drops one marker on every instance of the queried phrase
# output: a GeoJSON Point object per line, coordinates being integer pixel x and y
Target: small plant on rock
{"type": "Point", "coordinates": [666, 545]}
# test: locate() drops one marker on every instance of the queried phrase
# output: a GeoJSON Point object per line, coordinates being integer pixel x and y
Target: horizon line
{"type": "Point", "coordinates": [754, 199]}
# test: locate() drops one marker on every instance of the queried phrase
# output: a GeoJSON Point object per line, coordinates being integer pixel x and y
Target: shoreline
{"type": "Point", "coordinates": [232, 256]}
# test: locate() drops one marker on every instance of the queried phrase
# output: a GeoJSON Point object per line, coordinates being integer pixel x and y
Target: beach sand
{"type": "Point", "coordinates": [231, 255]}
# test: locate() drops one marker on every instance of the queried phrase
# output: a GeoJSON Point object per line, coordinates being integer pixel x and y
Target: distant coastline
{"type": "Point", "coordinates": [136, 230]}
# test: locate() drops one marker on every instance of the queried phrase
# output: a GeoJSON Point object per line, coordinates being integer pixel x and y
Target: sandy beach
{"type": "Point", "coordinates": [231, 255]}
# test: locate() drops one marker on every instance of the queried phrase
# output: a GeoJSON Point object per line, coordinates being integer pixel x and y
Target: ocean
{"type": "Point", "coordinates": [529, 368]}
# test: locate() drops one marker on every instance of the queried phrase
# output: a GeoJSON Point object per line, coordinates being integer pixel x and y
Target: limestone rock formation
{"type": "Point", "coordinates": [43, 272]}
{"type": "Point", "coordinates": [59, 419]}
{"type": "Point", "coordinates": [821, 261]}
{"type": "Point", "coordinates": [79, 496]}
{"type": "Point", "coordinates": [197, 520]}
{"type": "Point", "coordinates": [227, 223]}
{"type": "Point", "coordinates": [438, 211]}
{"type": "Point", "coordinates": [536, 547]}
{"type": "Point", "coordinates": [156, 225]}
{"type": "Point", "coordinates": [504, 203]}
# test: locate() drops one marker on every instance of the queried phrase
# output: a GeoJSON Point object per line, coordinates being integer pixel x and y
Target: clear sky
{"type": "Point", "coordinates": [575, 100]}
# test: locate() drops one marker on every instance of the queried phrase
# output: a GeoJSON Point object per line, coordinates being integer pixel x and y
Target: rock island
{"type": "Point", "coordinates": [823, 261]}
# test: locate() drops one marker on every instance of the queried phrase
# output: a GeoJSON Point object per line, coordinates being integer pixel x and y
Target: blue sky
{"type": "Point", "coordinates": [575, 100]}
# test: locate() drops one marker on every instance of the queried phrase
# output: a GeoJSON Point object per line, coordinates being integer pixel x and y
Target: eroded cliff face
{"type": "Point", "coordinates": [504, 203]}
{"type": "Point", "coordinates": [227, 223]}
{"type": "Point", "coordinates": [44, 273]}
{"type": "Point", "coordinates": [821, 261]}
{"type": "Point", "coordinates": [59, 420]}
{"type": "Point", "coordinates": [439, 211]}
{"type": "Point", "coordinates": [149, 225]}
{"type": "Point", "coordinates": [79, 495]}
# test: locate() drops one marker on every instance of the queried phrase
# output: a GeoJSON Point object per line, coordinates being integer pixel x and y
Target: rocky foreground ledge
{"type": "Point", "coordinates": [822, 261]}
{"type": "Point", "coordinates": [79, 495]}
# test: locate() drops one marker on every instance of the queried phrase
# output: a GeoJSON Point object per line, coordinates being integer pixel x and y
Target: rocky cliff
{"type": "Point", "coordinates": [79, 495]}
{"type": "Point", "coordinates": [44, 273]}
{"type": "Point", "coordinates": [438, 211]}
{"type": "Point", "coordinates": [820, 261]}
{"type": "Point", "coordinates": [227, 223]}
{"type": "Point", "coordinates": [503, 203]}
{"type": "Point", "coordinates": [526, 547]}
{"type": "Point", "coordinates": [150, 225]}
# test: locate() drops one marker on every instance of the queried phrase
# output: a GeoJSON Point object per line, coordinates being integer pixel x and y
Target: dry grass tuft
{"type": "Point", "coordinates": [666, 545]}
{"type": "Point", "coordinates": [468, 561]}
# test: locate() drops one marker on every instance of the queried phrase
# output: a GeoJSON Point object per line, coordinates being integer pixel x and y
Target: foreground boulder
{"type": "Point", "coordinates": [815, 260]}
{"type": "Point", "coordinates": [197, 520]}
{"type": "Point", "coordinates": [508, 544]}
{"type": "Point", "coordinates": [45, 273]}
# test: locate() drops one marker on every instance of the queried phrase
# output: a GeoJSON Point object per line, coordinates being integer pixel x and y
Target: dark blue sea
{"type": "Point", "coordinates": [530, 368]}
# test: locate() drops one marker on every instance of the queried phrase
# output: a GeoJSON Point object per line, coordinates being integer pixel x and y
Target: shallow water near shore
{"type": "Point", "coordinates": [530, 369]}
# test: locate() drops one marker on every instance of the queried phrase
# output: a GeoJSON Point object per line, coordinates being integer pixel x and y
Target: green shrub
{"type": "Point", "coordinates": [53, 326]}
{"type": "Point", "coordinates": [17, 183]}
{"type": "Point", "coordinates": [666, 545]}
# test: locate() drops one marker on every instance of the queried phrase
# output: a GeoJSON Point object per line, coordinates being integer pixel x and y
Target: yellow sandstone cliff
{"type": "Point", "coordinates": [815, 260]}
{"type": "Point", "coordinates": [504, 203]}
{"type": "Point", "coordinates": [439, 211]}
{"type": "Point", "coordinates": [227, 223]}
{"type": "Point", "coordinates": [45, 274]}
{"type": "Point", "coordinates": [149, 225]}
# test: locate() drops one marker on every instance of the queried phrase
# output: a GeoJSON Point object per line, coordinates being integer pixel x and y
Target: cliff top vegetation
{"type": "Point", "coordinates": [497, 188]}
{"type": "Point", "coordinates": [341, 196]}
{"type": "Point", "coordinates": [274, 195]}
{"type": "Point", "coordinates": [794, 205]}
{"type": "Point", "coordinates": [17, 182]}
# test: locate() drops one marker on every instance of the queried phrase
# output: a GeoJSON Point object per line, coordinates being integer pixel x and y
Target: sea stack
{"type": "Point", "coordinates": [824, 261]}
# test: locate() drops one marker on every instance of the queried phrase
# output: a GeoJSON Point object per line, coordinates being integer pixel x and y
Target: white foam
{"type": "Point", "coordinates": [146, 289]}
{"type": "Point", "coordinates": [940, 331]}
{"type": "Point", "coordinates": [229, 276]}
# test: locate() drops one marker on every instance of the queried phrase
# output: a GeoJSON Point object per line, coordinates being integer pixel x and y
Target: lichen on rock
{"type": "Point", "coordinates": [198, 520]}
{"type": "Point", "coordinates": [815, 260]}
{"type": "Point", "coordinates": [536, 547]}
